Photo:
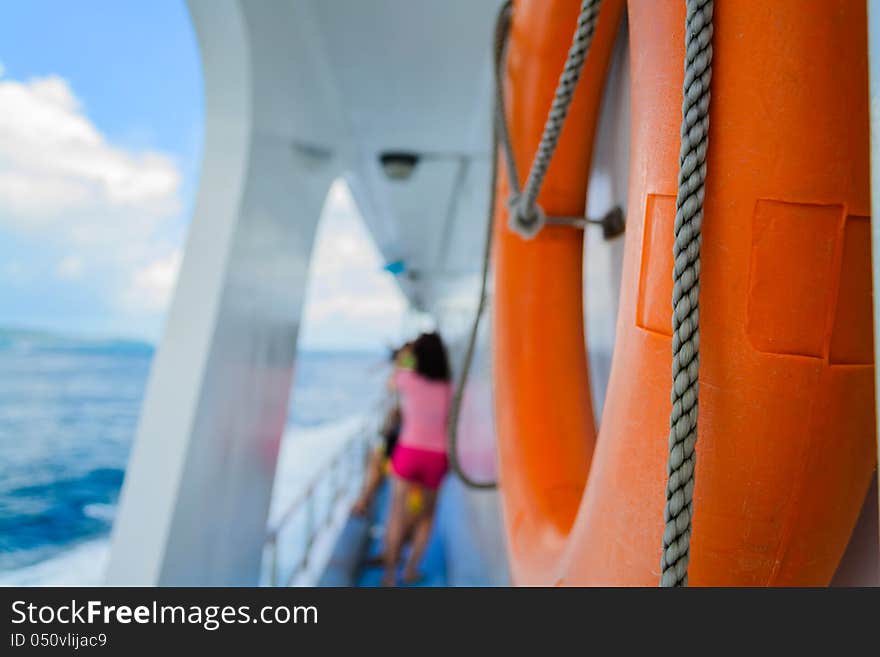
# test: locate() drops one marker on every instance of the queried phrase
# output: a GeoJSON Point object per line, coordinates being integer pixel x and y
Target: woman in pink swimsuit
{"type": "Point", "coordinates": [419, 461]}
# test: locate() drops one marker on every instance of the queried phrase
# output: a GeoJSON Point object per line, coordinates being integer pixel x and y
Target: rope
{"type": "Point", "coordinates": [526, 216]}
{"type": "Point", "coordinates": [685, 294]}
{"type": "Point", "coordinates": [502, 30]}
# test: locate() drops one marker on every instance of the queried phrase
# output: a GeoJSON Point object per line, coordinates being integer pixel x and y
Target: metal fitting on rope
{"type": "Point", "coordinates": [525, 221]}
{"type": "Point", "coordinates": [526, 216]}
{"type": "Point", "coordinates": [613, 223]}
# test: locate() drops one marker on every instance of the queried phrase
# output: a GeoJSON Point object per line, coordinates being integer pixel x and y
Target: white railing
{"type": "Point", "coordinates": [314, 512]}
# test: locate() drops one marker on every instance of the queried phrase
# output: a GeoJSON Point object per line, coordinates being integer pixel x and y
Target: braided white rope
{"type": "Point", "coordinates": [679, 509]}
{"type": "Point", "coordinates": [526, 216]}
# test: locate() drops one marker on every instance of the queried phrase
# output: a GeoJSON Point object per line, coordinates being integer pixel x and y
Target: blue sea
{"type": "Point", "coordinates": [68, 414]}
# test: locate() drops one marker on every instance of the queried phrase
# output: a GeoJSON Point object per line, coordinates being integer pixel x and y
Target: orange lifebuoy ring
{"type": "Point", "coordinates": [786, 448]}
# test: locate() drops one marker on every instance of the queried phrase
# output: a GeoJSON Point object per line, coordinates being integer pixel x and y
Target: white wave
{"type": "Point", "coordinates": [303, 453]}
{"type": "Point", "coordinates": [303, 460]}
{"type": "Point", "coordinates": [82, 565]}
{"type": "Point", "coordinates": [100, 511]}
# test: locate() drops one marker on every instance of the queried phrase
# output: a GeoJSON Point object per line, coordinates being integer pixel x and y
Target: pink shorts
{"type": "Point", "coordinates": [419, 466]}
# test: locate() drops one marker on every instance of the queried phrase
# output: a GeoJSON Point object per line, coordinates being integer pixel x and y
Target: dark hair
{"type": "Point", "coordinates": [431, 360]}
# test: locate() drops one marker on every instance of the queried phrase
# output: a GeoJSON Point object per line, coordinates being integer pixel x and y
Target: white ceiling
{"type": "Point", "coordinates": [414, 75]}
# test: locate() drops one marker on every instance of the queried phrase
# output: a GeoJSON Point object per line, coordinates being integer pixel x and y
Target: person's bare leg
{"type": "Point", "coordinates": [394, 533]}
{"type": "Point", "coordinates": [375, 474]}
{"type": "Point", "coordinates": [408, 525]}
{"type": "Point", "coordinates": [421, 536]}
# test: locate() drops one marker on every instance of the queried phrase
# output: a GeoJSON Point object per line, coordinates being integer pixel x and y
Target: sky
{"type": "Point", "coordinates": [347, 286]}
{"type": "Point", "coordinates": [101, 128]}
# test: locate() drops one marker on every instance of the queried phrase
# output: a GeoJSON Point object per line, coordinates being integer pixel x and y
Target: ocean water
{"type": "Point", "coordinates": [68, 414]}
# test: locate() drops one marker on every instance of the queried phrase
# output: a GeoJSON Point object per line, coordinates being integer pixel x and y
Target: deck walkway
{"type": "Point", "coordinates": [433, 564]}
{"type": "Point", "coordinates": [454, 556]}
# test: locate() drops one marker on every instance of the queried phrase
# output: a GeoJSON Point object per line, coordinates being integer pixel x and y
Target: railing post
{"type": "Point", "coordinates": [350, 460]}
{"type": "Point", "coordinates": [338, 479]}
{"type": "Point", "coordinates": [273, 568]}
{"type": "Point", "coordinates": [340, 475]}
{"type": "Point", "coordinates": [333, 497]}
{"type": "Point", "coordinates": [310, 527]}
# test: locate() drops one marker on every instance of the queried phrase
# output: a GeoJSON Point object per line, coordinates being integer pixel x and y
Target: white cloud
{"type": "Point", "coordinates": [351, 301]}
{"type": "Point", "coordinates": [63, 183]}
{"type": "Point", "coordinates": [112, 211]}
{"type": "Point", "coordinates": [53, 160]}
{"type": "Point", "coordinates": [150, 286]}
{"type": "Point", "coordinates": [70, 268]}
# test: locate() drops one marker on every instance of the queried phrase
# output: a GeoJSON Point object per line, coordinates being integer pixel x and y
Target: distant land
{"type": "Point", "coordinates": [16, 336]}
{"type": "Point", "coordinates": [11, 336]}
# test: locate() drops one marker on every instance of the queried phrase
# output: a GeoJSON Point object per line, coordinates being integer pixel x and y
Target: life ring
{"type": "Point", "coordinates": [786, 444]}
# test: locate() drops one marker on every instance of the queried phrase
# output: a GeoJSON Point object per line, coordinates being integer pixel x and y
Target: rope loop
{"type": "Point", "coordinates": [527, 218]}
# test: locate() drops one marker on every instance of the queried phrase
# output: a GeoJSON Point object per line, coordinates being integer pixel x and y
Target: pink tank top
{"type": "Point", "coordinates": [424, 405]}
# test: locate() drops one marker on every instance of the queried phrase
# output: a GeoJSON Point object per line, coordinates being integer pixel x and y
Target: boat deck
{"type": "Point", "coordinates": [457, 555]}
{"type": "Point", "coordinates": [433, 565]}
